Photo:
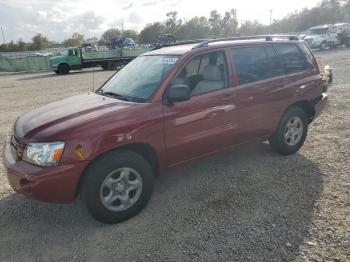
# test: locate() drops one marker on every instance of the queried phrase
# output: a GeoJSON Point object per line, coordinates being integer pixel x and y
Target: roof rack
{"type": "Point", "coordinates": [205, 42]}
{"type": "Point", "coordinates": [187, 42]}
{"type": "Point", "coordinates": [266, 37]}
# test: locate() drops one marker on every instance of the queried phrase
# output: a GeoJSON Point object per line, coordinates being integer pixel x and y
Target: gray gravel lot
{"type": "Point", "coordinates": [247, 205]}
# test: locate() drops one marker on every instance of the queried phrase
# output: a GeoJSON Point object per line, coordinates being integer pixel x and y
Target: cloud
{"type": "Point", "coordinates": [54, 22]}
{"type": "Point", "coordinates": [150, 3]}
{"type": "Point", "coordinates": [135, 18]}
{"type": "Point", "coordinates": [128, 6]}
{"type": "Point", "coordinates": [153, 2]}
{"type": "Point", "coordinates": [176, 3]}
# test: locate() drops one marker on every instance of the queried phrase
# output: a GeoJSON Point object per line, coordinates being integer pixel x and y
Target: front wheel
{"type": "Point", "coordinates": [323, 46]}
{"type": "Point", "coordinates": [117, 186]}
{"type": "Point", "coordinates": [63, 69]}
{"type": "Point", "coordinates": [291, 132]}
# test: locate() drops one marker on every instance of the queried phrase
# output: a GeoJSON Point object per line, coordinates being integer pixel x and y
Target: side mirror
{"type": "Point", "coordinates": [179, 93]}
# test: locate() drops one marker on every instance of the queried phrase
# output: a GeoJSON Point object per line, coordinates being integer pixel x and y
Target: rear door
{"type": "Point", "coordinates": [261, 80]}
{"type": "Point", "coordinates": [209, 120]}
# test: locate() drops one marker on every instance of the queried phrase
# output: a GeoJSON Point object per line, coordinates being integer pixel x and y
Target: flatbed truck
{"type": "Point", "coordinates": [77, 58]}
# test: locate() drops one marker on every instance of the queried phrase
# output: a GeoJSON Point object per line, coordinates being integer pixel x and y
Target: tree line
{"type": "Point", "coordinates": [215, 26]}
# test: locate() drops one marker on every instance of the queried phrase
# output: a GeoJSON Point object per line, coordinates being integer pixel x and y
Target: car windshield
{"type": "Point", "coordinates": [138, 80]}
{"type": "Point", "coordinates": [319, 31]}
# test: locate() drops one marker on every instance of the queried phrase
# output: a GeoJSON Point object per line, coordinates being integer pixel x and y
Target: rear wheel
{"type": "Point", "coordinates": [117, 186]}
{"type": "Point", "coordinates": [291, 132]}
{"type": "Point", "coordinates": [347, 42]}
{"type": "Point", "coordinates": [63, 69]}
{"type": "Point", "coordinates": [111, 65]}
{"type": "Point", "coordinates": [104, 66]}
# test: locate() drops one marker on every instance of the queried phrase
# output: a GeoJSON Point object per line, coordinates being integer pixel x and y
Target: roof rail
{"type": "Point", "coordinates": [266, 37]}
{"type": "Point", "coordinates": [194, 41]}
{"type": "Point", "coordinates": [205, 42]}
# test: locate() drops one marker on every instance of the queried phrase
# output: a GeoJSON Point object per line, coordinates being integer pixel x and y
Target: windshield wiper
{"type": "Point", "coordinates": [121, 97]}
{"type": "Point", "coordinates": [112, 94]}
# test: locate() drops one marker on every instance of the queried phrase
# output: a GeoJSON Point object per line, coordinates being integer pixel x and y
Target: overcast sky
{"type": "Point", "coordinates": [59, 19]}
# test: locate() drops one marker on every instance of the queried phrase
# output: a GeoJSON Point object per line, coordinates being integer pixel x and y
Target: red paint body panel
{"type": "Point", "coordinates": [178, 133]}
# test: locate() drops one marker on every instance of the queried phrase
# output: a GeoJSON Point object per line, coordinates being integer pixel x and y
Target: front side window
{"type": "Point", "coordinates": [204, 73]}
{"type": "Point", "coordinates": [139, 79]}
{"type": "Point", "coordinates": [291, 57]}
{"type": "Point", "coordinates": [71, 52]}
{"type": "Point", "coordinates": [251, 63]}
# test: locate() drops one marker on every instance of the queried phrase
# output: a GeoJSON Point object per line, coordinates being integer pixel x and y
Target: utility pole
{"type": "Point", "coordinates": [3, 36]}
{"type": "Point", "coordinates": [122, 29]}
{"type": "Point", "coordinates": [271, 10]}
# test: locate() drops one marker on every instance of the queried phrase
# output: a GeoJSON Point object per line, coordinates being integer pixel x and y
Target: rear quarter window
{"type": "Point", "coordinates": [251, 63]}
{"type": "Point", "coordinates": [291, 57]}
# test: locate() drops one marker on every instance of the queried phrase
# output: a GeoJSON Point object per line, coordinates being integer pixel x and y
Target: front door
{"type": "Point", "coordinates": [208, 121]}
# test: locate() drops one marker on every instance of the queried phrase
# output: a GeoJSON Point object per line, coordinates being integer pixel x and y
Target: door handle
{"type": "Point", "coordinates": [212, 115]}
{"type": "Point", "coordinates": [228, 97]}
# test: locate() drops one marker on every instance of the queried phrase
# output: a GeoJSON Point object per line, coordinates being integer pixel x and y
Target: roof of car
{"type": "Point", "coordinates": [180, 49]}
{"type": "Point", "coordinates": [320, 26]}
{"type": "Point", "coordinates": [171, 50]}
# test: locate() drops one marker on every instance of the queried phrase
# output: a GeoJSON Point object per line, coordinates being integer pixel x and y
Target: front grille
{"type": "Point", "coordinates": [17, 147]}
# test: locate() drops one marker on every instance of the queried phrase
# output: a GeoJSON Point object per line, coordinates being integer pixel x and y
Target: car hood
{"type": "Point", "coordinates": [61, 116]}
{"type": "Point", "coordinates": [56, 59]}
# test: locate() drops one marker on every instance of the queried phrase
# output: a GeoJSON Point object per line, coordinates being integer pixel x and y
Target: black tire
{"type": "Point", "coordinates": [56, 71]}
{"type": "Point", "coordinates": [63, 69]}
{"type": "Point", "coordinates": [323, 46]}
{"type": "Point", "coordinates": [347, 42]}
{"type": "Point", "coordinates": [104, 66]}
{"type": "Point", "coordinates": [278, 140]}
{"type": "Point", "coordinates": [95, 178]}
{"type": "Point", "coordinates": [109, 66]}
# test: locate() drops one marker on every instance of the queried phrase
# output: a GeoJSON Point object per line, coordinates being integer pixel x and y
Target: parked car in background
{"type": "Point", "coordinates": [164, 109]}
{"type": "Point", "coordinates": [321, 37]}
{"type": "Point", "coordinates": [327, 36]}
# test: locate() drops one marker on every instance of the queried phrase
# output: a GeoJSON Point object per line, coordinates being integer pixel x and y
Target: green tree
{"type": "Point", "coordinates": [172, 23]}
{"type": "Point", "coordinates": [75, 40]}
{"type": "Point", "coordinates": [252, 28]}
{"type": "Point", "coordinates": [131, 33]}
{"type": "Point", "coordinates": [215, 22]}
{"type": "Point", "coordinates": [39, 42]}
{"type": "Point", "coordinates": [21, 45]}
{"type": "Point", "coordinates": [195, 28]}
{"type": "Point", "coordinates": [151, 31]}
{"type": "Point", "coordinates": [109, 35]}
{"type": "Point", "coordinates": [229, 24]}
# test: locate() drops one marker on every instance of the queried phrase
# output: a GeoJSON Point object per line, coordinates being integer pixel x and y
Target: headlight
{"type": "Point", "coordinates": [43, 154]}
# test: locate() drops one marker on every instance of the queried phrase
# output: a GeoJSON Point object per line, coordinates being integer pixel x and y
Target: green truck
{"type": "Point", "coordinates": [78, 58]}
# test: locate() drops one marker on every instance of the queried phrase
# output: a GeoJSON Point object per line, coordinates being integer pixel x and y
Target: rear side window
{"type": "Point", "coordinates": [276, 67]}
{"type": "Point", "coordinates": [291, 57]}
{"type": "Point", "coordinates": [251, 63]}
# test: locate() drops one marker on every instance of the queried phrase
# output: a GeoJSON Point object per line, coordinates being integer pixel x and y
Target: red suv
{"type": "Point", "coordinates": [168, 107]}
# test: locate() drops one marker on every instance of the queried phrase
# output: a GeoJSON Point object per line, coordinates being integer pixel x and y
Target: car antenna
{"type": "Point", "coordinates": [93, 81]}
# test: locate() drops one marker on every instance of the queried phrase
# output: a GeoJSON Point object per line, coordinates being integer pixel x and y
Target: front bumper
{"type": "Point", "coordinates": [55, 184]}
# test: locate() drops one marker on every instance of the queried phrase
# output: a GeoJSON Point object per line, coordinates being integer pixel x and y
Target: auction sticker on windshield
{"type": "Point", "coordinates": [169, 60]}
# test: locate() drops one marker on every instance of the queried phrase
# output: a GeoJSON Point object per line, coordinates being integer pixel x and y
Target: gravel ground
{"type": "Point", "coordinates": [247, 205]}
